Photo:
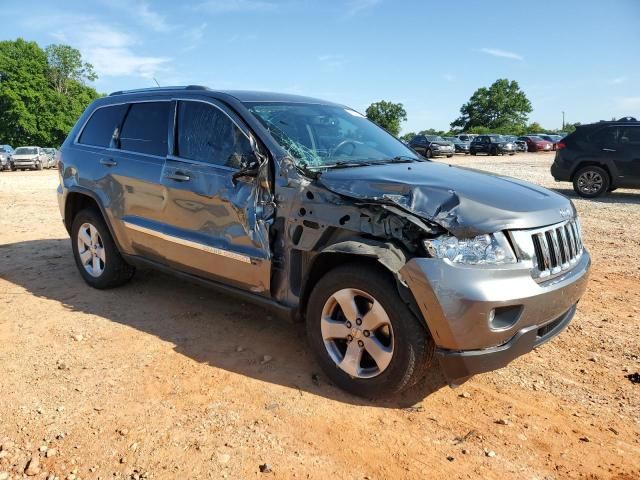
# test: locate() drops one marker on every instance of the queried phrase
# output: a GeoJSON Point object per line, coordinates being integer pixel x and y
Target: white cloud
{"type": "Point", "coordinates": [193, 36]}
{"type": "Point", "coordinates": [356, 6]}
{"type": "Point", "coordinates": [496, 52]}
{"type": "Point", "coordinates": [332, 61]}
{"type": "Point", "coordinates": [234, 6]}
{"type": "Point", "coordinates": [629, 102]}
{"type": "Point", "coordinates": [110, 50]}
{"type": "Point", "coordinates": [618, 80]}
{"type": "Point", "coordinates": [449, 77]}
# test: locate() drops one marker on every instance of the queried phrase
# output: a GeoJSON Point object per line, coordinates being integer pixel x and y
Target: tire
{"type": "Point", "coordinates": [449, 156]}
{"type": "Point", "coordinates": [472, 153]}
{"type": "Point", "coordinates": [493, 151]}
{"type": "Point", "coordinates": [112, 271]}
{"type": "Point", "coordinates": [429, 153]}
{"type": "Point", "coordinates": [591, 181]}
{"type": "Point", "coordinates": [411, 347]}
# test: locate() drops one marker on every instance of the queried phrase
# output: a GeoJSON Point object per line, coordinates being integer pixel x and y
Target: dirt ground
{"type": "Point", "coordinates": [166, 380]}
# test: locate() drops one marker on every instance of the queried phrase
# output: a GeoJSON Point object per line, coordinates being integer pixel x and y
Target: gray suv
{"type": "Point", "coordinates": [397, 264]}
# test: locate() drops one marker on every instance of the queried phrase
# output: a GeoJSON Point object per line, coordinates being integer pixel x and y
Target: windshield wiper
{"type": "Point", "coordinates": [346, 164]}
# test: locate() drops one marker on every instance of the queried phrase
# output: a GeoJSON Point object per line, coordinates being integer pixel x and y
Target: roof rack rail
{"type": "Point", "coordinates": [159, 89]}
{"type": "Point", "coordinates": [626, 119]}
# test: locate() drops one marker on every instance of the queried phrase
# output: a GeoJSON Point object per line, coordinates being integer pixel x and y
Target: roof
{"type": "Point", "coordinates": [241, 95]}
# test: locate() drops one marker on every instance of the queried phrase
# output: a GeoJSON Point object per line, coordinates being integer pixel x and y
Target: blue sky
{"type": "Point", "coordinates": [577, 56]}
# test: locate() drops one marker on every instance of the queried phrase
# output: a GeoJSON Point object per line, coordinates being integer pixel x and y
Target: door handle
{"type": "Point", "coordinates": [608, 150]}
{"type": "Point", "coordinates": [178, 177]}
{"type": "Point", "coordinates": [107, 162]}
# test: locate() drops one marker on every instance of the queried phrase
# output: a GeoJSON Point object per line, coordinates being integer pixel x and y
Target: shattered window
{"type": "Point", "coordinates": [322, 135]}
{"type": "Point", "coordinates": [206, 134]}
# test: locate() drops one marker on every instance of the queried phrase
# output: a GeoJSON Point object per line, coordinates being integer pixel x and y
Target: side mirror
{"type": "Point", "coordinates": [249, 165]}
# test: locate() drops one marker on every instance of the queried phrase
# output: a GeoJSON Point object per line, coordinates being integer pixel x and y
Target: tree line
{"type": "Point", "coordinates": [42, 92]}
{"type": "Point", "coordinates": [502, 108]}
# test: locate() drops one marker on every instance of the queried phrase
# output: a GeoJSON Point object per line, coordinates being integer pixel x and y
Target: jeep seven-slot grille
{"type": "Point", "coordinates": [558, 248]}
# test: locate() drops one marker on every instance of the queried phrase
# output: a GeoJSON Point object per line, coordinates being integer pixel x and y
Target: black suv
{"type": "Point", "coordinates": [432, 146]}
{"type": "Point", "coordinates": [491, 145]}
{"type": "Point", "coordinates": [308, 208]}
{"type": "Point", "coordinates": [600, 157]}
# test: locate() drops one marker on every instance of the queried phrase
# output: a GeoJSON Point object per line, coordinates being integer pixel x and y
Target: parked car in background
{"type": "Point", "coordinates": [521, 145]}
{"type": "Point", "coordinates": [554, 139]}
{"type": "Point", "coordinates": [536, 144]}
{"type": "Point", "coordinates": [600, 157]}
{"type": "Point", "coordinates": [432, 146]}
{"type": "Point", "coordinates": [459, 146]}
{"type": "Point", "coordinates": [399, 266]}
{"type": "Point", "coordinates": [51, 152]}
{"type": "Point", "coordinates": [491, 145]}
{"type": "Point", "coordinates": [6, 153]}
{"type": "Point", "coordinates": [32, 158]}
{"type": "Point", "coordinates": [467, 137]}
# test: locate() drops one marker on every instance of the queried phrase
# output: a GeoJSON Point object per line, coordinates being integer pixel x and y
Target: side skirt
{"type": "Point", "coordinates": [281, 311]}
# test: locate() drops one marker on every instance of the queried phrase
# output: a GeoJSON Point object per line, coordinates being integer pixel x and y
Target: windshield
{"type": "Point", "coordinates": [497, 138]}
{"type": "Point", "coordinates": [536, 138]}
{"type": "Point", "coordinates": [326, 135]}
{"type": "Point", "coordinates": [435, 138]}
{"type": "Point", "coordinates": [50, 150]}
{"type": "Point", "coordinates": [26, 151]}
{"type": "Point", "coordinates": [452, 139]}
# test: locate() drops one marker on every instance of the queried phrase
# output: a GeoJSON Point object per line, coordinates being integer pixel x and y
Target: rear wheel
{"type": "Point", "coordinates": [364, 336]}
{"type": "Point", "coordinates": [38, 165]}
{"type": "Point", "coordinates": [96, 254]}
{"type": "Point", "coordinates": [591, 181]}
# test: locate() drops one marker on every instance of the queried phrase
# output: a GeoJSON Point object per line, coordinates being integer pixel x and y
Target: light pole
{"type": "Point", "coordinates": [563, 121]}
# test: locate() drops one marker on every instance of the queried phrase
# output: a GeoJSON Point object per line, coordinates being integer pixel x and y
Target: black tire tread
{"type": "Point", "coordinates": [117, 272]}
{"type": "Point", "coordinates": [420, 347]}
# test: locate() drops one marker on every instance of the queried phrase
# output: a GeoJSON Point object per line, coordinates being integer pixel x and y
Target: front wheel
{"type": "Point", "coordinates": [429, 153]}
{"type": "Point", "coordinates": [363, 335]}
{"type": "Point", "coordinates": [95, 252]}
{"type": "Point", "coordinates": [591, 181]}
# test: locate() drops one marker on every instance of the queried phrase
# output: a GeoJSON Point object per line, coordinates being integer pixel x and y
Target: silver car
{"type": "Point", "coordinates": [398, 265]}
{"type": "Point", "coordinates": [30, 158]}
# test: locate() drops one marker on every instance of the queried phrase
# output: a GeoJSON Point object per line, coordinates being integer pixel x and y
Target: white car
{"type": "Point", "coordinates": [32, 158]}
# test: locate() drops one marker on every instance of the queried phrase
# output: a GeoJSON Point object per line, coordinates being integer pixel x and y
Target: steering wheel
{"type": "Point", "coordinates": [343, 144]}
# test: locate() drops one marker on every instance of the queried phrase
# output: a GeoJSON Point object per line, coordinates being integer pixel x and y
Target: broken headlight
{"type": "Point", "coordinates": [487, 249]}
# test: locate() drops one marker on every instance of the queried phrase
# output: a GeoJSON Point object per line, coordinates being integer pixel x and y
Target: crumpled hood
{"type": "Point", "coordinates": [464, 201]}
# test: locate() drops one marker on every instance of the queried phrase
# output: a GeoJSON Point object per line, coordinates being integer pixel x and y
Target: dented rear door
{"type": "Point", "coordinates": [214, 226]}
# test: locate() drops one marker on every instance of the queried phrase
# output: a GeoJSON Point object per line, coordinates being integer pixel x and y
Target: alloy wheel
{"type": "Point", "coordinates": [91, 250]}
{"type": "Point", "coordinates": [590, 182]}
{"type": "Point", "coordinates": [357, 333]}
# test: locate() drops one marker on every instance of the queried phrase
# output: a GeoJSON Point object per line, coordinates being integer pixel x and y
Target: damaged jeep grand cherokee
{"type": "Point", "coordinates": [398, 265]}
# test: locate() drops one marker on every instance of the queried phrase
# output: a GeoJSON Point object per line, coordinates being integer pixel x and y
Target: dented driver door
{"type": "Point", "coordinates": [214, 226]}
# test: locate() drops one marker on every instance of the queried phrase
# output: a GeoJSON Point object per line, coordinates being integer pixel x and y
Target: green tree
{"type": "Point", "coordinates": [388, 115]}
{"type": "Point", "coordinates": [32, 110]}
{"type": "Point", "coordinates": [408, 136]}
{"type": "Point", "coordinates": [432, 131]}
{"type": "Point", "coordinates": [535, 127]}
{"type": "Point", "coordinates": [66, 66]}
{"type": "Point", "coordinates": [501, 106]}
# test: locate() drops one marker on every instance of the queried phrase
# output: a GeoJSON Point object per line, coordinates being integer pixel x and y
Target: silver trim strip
{"type": "Point", "coordinates": [188, 243]}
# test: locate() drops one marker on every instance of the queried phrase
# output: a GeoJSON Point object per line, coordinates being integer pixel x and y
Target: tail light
{"type": "Point", "coordinates": [560, 145]}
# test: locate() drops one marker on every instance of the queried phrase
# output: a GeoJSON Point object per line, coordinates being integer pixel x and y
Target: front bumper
{"type": "Point", "coordinates": [442, 151]}
{"type": "Point", "coordinates": [482, 317]}
{"type": "Point", "coordinates": [24, 163]}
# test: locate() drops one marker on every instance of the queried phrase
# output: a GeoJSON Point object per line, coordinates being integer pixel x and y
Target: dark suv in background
{"type": "Point", "coordinates": [600, 157]}
{"type": "Point", "coordinates": [308, 208]}
{"type": "Point", "coordinates": [491, 145]}
{"type": "Point", "coordinates": [432, 146]}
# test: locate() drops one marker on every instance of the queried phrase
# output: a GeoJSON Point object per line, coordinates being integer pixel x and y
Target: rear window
{"type": "Point", "coordinates": [101, 127]}
{"type": "Point", "coordinates": [145, 128]}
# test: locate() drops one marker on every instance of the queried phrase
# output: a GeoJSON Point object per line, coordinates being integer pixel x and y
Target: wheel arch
{"type": "Point", "coordinates": [77, 200]}
{"type": "Point", "coordinates": [592, 163]}
{"type": "Point", "coordinates": [385, 257]}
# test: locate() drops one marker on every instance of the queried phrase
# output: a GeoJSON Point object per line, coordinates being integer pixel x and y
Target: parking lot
{"type": "Point", "coordinates": [164, 379]}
